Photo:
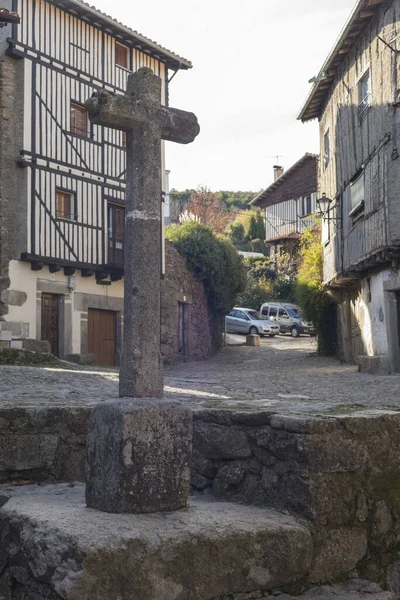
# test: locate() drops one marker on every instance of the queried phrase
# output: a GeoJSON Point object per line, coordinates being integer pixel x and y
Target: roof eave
{"type": "Point", "coordinates": [170, 58]}
{"type": "Point", "coordinates": [262, 196]}
{"type": "Point", "coordinates": [356, 20]}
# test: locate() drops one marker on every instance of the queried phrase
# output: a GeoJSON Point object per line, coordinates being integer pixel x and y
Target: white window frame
{"type": "Point", "coordinates": [357, 191]}
{"type": "Point", "coordinates": [327, 148]}
{"type": "Point", "coordinates": [364, 97]}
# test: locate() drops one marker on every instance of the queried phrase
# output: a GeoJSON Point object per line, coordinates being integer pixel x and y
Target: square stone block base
{"type": "Point", "coordinates": [139, 456]}
{"type": "Point", "coordinates": [252, 340]}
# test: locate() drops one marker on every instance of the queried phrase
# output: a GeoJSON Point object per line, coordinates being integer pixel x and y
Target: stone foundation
{"type": "Point", "coordinates": [341, 475]}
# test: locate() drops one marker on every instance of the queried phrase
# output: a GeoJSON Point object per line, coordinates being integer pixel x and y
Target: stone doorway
{"type": "Point", "coordinates": [50, 321]}
{"type": "Point", "coordinates": [102, 336]}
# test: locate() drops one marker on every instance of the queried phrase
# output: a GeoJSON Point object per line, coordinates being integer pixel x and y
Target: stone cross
{"type": "Point", "coordinates": [146, 122]}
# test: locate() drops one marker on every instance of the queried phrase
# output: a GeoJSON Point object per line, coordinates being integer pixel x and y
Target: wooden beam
{"type": "Point", "coordinates": [36, 266]}
{"type": "Point", "coordinates": [87, 273]}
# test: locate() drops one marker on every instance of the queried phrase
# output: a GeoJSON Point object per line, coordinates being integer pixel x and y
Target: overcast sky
{"type": "Point", "coordinates": [251, 64]}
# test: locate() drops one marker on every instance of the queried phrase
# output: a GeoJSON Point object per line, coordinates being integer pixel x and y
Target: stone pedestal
{"type": "Point", "coordinates": [139, 456]}
{"type": "Point", "coordinates": [253, 340]}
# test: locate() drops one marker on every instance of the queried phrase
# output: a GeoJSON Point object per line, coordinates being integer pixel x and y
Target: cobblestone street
{"type": "Point", "coordinates": [284, 374]}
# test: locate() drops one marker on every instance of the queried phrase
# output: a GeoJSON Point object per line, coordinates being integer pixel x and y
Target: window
{"type": "Point", "coordinates": [241, 315]}
{"type": "Point", "coordinates": [357, 194]}
{"type": "Point", "coordinates": [79, 120]}
{"type": "Point", "coordinates": [273, 311]}
{"type": "Point", "coordinates": [116, 228]}
{"type": "Point", "coordinates": [305, 206]}
{"type": "Point", "coordinates": [327, 149]}
{"type": "Point", "coordinates": [121, 55]}
{"type": "Point", "coordinates": [282, 314]}
{"type": "Point", "coordinates": [65, 205]}
{"type": "Point", "coordinates": [364, 93]}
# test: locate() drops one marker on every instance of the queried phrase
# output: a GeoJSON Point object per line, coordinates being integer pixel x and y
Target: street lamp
{"type": "Point", "coordinates": [323, 208]}
{"type": "Point", "coordinates": [323, 205]}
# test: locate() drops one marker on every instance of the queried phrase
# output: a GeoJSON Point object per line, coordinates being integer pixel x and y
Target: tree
{"type": "Point", "coordinates": [310, 294]}
{"type": "Point", "coordinates": [210, 209]}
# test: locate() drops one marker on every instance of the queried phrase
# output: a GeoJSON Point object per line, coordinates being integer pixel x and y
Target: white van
{"type": "Point", "coordinates": [288, 317]}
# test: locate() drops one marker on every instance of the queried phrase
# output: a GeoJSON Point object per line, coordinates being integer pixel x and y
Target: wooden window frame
{"type": "Point", "coordinates": [115, 242]}
{"type": "Point", "coordinates": [119, 46]}
{"type": "Point", "coordinates": [364, 94]}
{"type": "Point", "coordinates": [72, 205]}
{"type": "Point", "coordinates": [83, 130]}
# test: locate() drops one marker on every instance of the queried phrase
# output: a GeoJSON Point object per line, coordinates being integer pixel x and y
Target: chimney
{"type": "Point", "coordinates": [278, 171]}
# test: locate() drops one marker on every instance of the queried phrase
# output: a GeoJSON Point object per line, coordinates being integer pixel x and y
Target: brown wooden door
{"type": "Point", "coordinates": [49, 327]}
{"type": "Point", "coordinates": [116, 227]}
{"type": "Point", "coordinates": [101, 336]}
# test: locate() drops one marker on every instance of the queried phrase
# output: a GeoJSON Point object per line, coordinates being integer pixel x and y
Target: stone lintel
{"type": "Point", "coordinates": [139, 456]}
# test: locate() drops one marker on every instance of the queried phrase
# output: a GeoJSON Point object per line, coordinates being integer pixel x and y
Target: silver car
{"type": "Point", "coordinates": [247, 320]}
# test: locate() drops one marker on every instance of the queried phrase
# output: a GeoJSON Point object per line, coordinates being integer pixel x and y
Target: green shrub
{"type": "Point", "coordinates": [254, 295]}
{"type": "Point", "coordinates": [310, 295]}
{"type": "Point", "coordinates": [236, 232]}
{"type": "Point", "coordinates": [215, 262]}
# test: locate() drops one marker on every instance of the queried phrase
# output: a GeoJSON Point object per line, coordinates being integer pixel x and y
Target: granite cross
{"type": "Point", "coordinates": [146, 121]}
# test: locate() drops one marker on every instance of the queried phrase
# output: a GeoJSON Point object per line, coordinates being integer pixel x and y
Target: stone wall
{"type": "Point", "coordinates": [341, 474]}
{"type": "Point", "coordinates": [12, 179]}
{"type": "Point", "coordinates": [181, 286]}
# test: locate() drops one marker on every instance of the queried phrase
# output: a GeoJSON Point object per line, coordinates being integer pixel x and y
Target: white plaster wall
{"type": "Point", "coordinates": [23, 279]}
{"type": "Point", "coordinates": [372, 314]}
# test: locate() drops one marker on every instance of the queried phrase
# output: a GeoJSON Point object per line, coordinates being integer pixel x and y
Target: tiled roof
{"type": "Point", "coordinates": [125, 33]}
{"type": "Point", "coordinates": [299, 180]}
{"type": "Point", "coordinates": [363, 11]}
{"type": "Point", "coordinates": [294, 235]}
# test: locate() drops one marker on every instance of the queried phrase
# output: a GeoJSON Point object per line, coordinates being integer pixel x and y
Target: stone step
{"type": "Point", "coordinates": [56, 548]}
{"type": "Point", "coordinates": [355, 589]}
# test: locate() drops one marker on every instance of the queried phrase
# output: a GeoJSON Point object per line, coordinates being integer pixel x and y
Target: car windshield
{"type": "Point", "coordinates": [296, 314]}
{"type": "Point", "coordinates": [253, 314]}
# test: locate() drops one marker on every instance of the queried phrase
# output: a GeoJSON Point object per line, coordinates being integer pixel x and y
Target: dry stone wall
{"type": "Point", "coordinates": [341, 474]}
{"type": "Point", "coordinates": [181, 286]}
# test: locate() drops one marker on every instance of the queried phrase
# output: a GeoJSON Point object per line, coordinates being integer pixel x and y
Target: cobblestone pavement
{"type": "Point", "coordinates": [283, 374]}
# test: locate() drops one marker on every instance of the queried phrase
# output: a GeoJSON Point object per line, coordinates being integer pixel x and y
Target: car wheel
{"type": "Point", "coordinates": [294, 332]}
{"type": "Point", "coordinates": [253, 331]}
{"type": "Point", "coordinates": [271, 335]}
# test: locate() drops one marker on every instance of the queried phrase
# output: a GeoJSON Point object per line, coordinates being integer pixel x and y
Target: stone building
{"type": "Point", "coordinates": [62, 184]}
{"type": "Point", "coordinates": [356, 99]}
{"type": "Point", "coordinates": [289, 203]}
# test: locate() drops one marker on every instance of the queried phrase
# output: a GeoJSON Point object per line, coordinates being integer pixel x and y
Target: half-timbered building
{"type": "Point", "coordinates": [62, 179]}
{"type": "Point", "coordinates": [289, 203]}
{"type": "Point", "coordinates": [355, 97]}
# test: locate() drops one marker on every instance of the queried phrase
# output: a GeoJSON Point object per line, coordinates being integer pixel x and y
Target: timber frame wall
{"type": "Point", "coordinates": [66, 57]}
{"type": "Point", "coordinates": [363, 142]}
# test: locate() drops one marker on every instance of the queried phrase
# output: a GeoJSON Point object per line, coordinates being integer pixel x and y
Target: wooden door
{"type": "Point", "coordinates": [116, 227]}
{"type": "Point", "coordinates": [101, 336]}
{"type": "Point", "coordinates": [183, 342]}
{"type": "Point", "coordinates": [49, 326]}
